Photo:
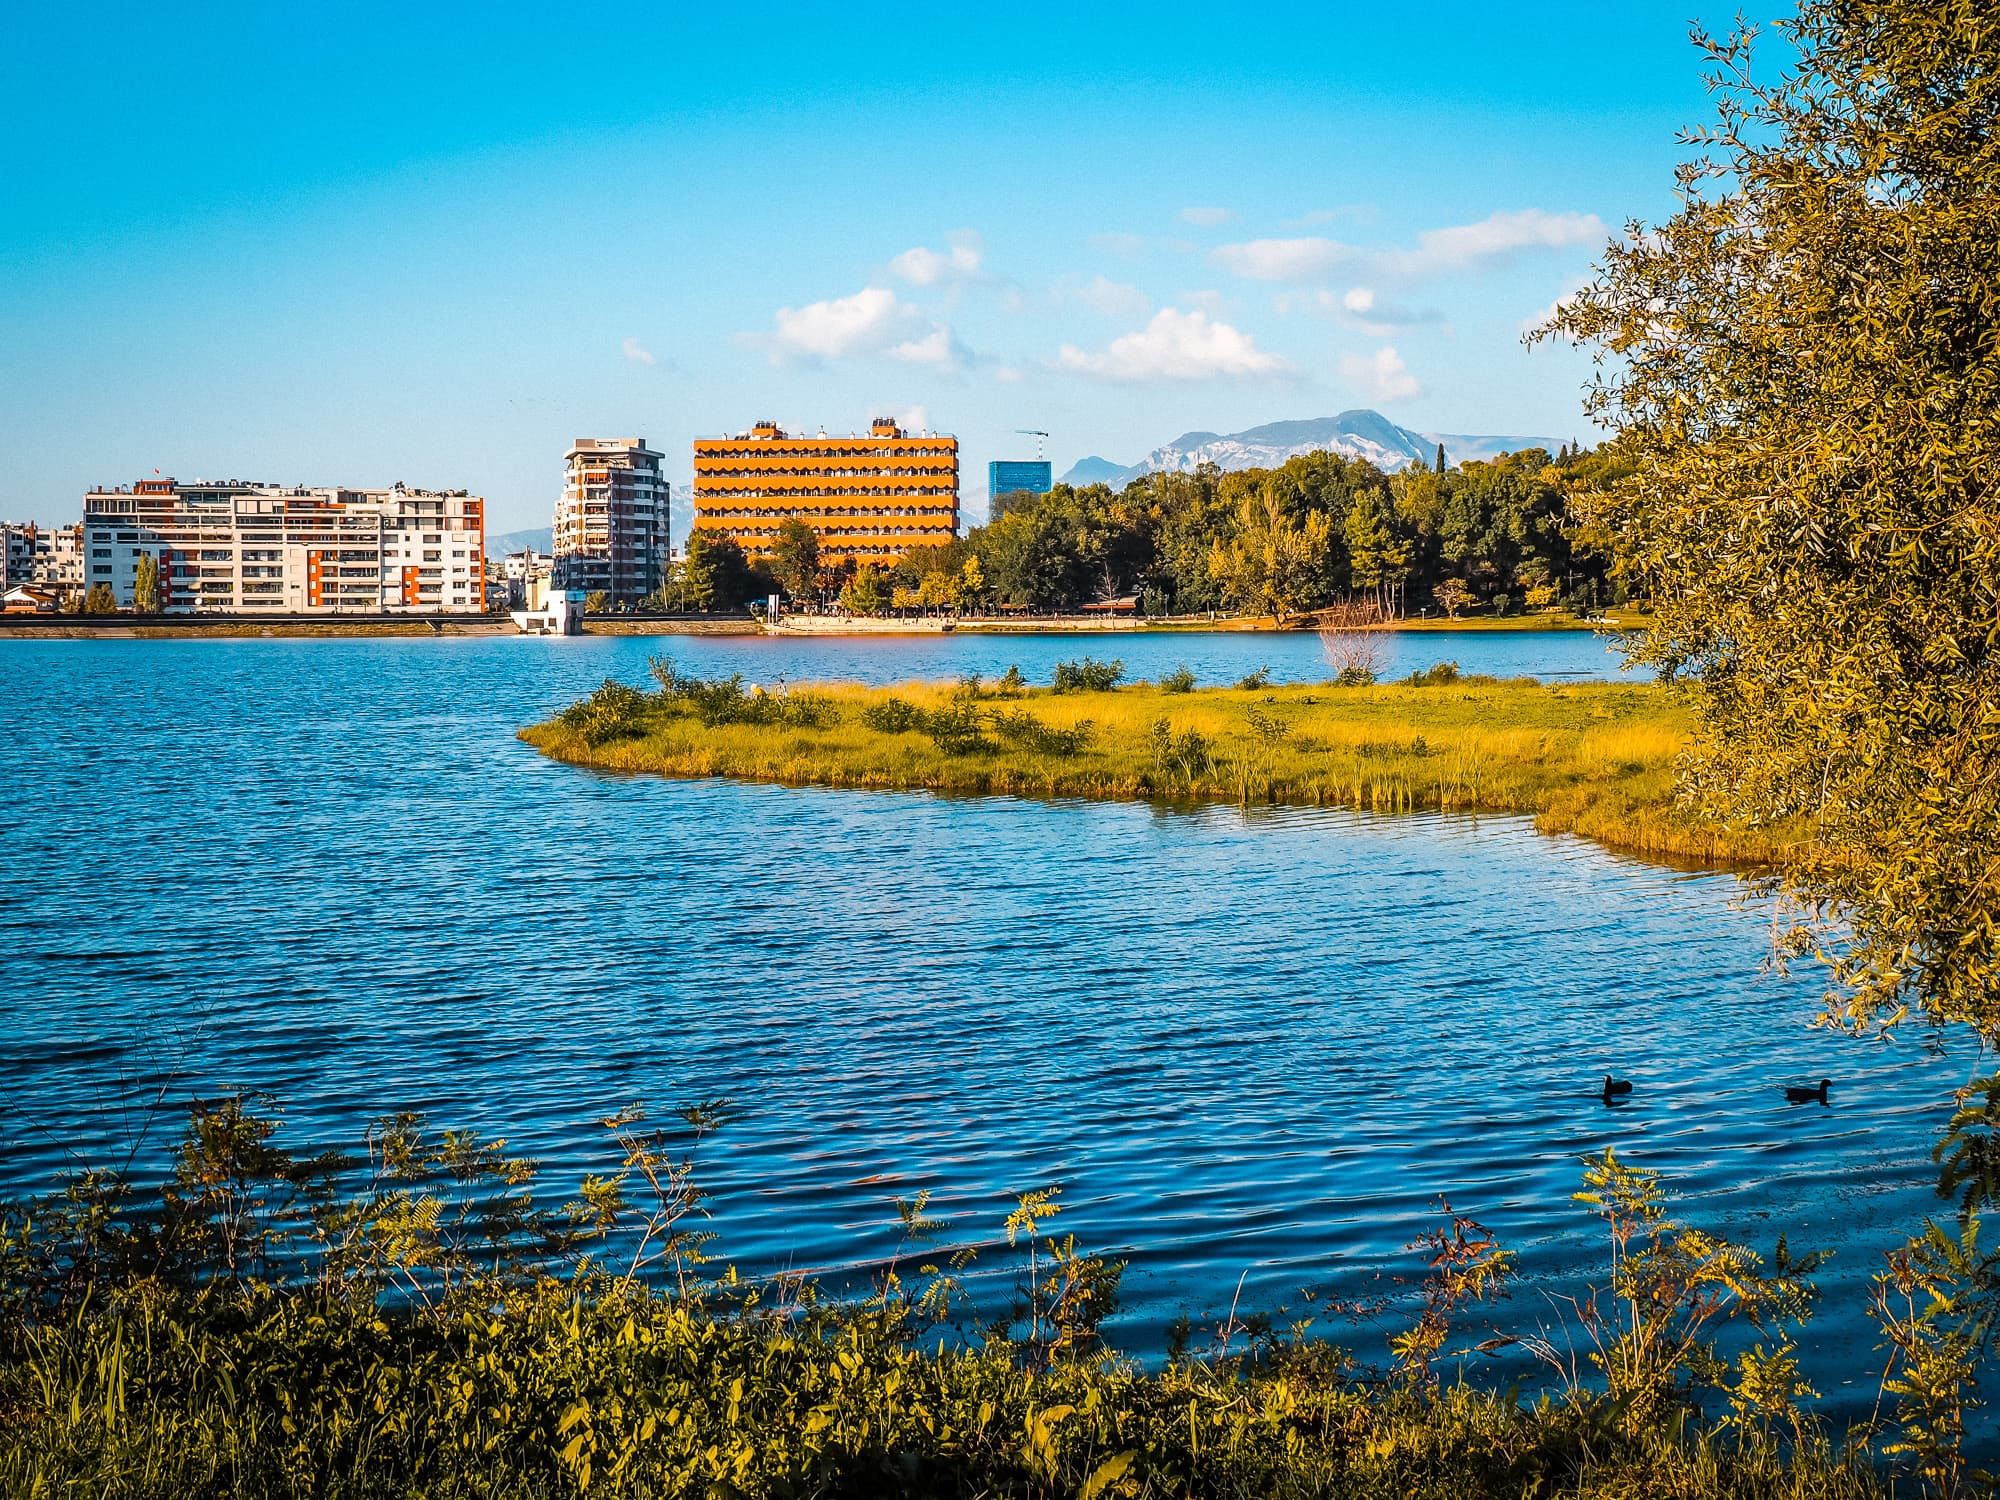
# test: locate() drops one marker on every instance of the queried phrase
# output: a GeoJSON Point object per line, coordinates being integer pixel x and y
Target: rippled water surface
{"type": "Point", "coordinates": [1253, 1046]}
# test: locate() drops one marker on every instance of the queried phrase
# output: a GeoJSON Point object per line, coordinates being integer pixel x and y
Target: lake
{"type": "Point", "coordinates": [1253, 1046]}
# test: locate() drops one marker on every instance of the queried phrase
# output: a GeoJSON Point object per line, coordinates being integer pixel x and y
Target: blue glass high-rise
{"type": "Point", "coordinates": [1006, 476]}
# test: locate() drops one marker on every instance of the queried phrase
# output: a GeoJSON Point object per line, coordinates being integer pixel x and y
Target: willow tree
{"type": "Point", "coordinates": [1804, 363]}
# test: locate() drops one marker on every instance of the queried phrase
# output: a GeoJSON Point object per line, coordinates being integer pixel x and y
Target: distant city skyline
{"type": "Point", "coordinates": [440, 246]}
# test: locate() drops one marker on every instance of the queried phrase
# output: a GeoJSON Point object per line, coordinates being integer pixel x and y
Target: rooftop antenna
{"type": "Point", "coordinates": [1037, 434]}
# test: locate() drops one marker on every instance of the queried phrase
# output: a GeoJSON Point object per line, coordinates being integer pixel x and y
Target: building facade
{"type": "Point", "coordinates": [47, 557]}
{"type": "Point", "coordinates": [526, 575]}
{"type": "Point", "coordinates": [868, 499]}
{"type": "Point", "coordinates": [612, 521]}
{"type": "Point", "coordinates": [1012, 476]}
{"type": "Point", "coordinates": [59, 558]}
{"type": "Point", "coordinates": [253, 548]}
{"type": "Point", "coordinates": [17, 552]}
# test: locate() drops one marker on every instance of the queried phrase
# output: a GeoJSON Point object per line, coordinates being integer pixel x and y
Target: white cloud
{"type": "Point", "coordinates": [913, 418]}
{"type": "Point", "coordinates": [1382, 376]}
{"type": "Point", "coordinates": [871, 319]}
{"type": "Point", "coordinates": [1177, 345]}
{"type": "Point", "coordinates": [638, 353]}
{"type": "Point", "coordinates": [1207, 218]}
{"type": "Point", "coordinates": [925, 267]}
{"type": "Point", "coordinates": [1284, 260]}
{"type": "Point", "coordinates": [1007, 375]}
{"type": "Point", "coordinates": [1365, 308]}
{"type": "Point", "coordinates": [1113, 298]}
{"type": "Point", "coordinates": [940, 349]}
{"type": "Point", "coordinates": [874, 321]}
{"type": "Point", "coordinates": [1437, 252]}
{"type": "Point", "coordinates": [1497, 238]}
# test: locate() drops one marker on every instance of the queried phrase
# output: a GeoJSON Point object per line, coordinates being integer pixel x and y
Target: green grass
{"type": "Point", "coordinates": [292, 1395]}
{"type": "Point", "coordinates": [425, 1317]}
{"type": "Point", "coordinates": [1595, 759]}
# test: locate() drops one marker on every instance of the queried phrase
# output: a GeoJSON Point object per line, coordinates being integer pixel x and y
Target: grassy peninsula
{"type": "Point", "coordinates": [1591, 758]}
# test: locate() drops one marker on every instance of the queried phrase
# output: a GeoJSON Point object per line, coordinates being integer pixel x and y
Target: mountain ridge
{"type": "Point", "coordinates": [1358, 433]}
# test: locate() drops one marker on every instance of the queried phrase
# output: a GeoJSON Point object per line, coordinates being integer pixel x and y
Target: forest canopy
{"type": "Point", "coordinates": [1320, 530]}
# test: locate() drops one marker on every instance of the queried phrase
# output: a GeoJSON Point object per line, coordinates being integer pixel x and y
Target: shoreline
{"type": "Point", "coordinates": [237, 627]}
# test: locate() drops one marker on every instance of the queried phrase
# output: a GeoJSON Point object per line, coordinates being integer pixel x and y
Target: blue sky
{"type": "Point", "coordinates": [365, 243]}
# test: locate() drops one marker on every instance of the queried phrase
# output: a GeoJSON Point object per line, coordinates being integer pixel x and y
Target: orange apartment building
{"type": "Point", "coordinates": [870, 499]}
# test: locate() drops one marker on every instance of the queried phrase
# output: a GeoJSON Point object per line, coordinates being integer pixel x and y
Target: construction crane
{"type": "Point", "coordinates": [1037, 434]}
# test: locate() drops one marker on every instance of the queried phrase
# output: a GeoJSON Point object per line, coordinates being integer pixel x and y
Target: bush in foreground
{"type": "Point", "coordinates": [411, 1321]}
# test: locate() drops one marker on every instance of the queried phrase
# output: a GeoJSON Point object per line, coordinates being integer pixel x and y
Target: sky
{"type": "Point", "coordinates": [365, 243]}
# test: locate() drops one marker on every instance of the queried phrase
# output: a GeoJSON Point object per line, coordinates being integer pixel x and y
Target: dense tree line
{"type": "Point", "coordinates": [1317, 531]}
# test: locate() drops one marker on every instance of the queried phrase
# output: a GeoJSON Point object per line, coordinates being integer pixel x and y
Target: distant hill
{"type": "Point", "coordinates": [1102, 471]}
{"type": "Point", "coordinates": [1352, 434]}
{"type": "Point", "coordinates": [542, 539]}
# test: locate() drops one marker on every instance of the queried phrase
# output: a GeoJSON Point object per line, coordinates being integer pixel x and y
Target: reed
{"type": "Point", "coordinates": [1596, 759]}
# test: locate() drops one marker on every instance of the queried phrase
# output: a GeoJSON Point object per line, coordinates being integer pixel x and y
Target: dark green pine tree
{"type": "Point", "coordinates": [1440, 466]}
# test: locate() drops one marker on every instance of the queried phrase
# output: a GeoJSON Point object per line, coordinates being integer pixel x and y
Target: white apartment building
{"type": "Point", "coordinates": [611, 523]}
{"type": "Point", "coordinates": [59, 558]}
{"type": "Point", "coordinates": [233, 547]}
{"type": "Point", "coordinates": [17, 552]}
{"type": "Point", "coordinates": [49, 557]}
{"type": "Point", "coordinates": [527, 575]}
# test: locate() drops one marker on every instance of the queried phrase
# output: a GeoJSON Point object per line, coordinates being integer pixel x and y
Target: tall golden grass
{"type": "Point", "coordinates": [1596, 759]}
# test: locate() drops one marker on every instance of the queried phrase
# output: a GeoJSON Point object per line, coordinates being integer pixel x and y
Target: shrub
{"type": "Point", "coordinates": [1011, 682]}
{"type": "Point", "coordinates": [1180, 757]}
{"type": "Point", "coordinates": [1180, 680]}
{"type": "Point", "coordinates": [1088, 676]}
{"type": "Point", "coordinates": [1255, 682]}
{"type": "Point", "coordinates": [615, 711]}
{"type": "Point", "coordinates": [955, 729]}
{"type": "Point", "coordinates": [1354, 677]}
{"type": "Point", "coordinates": [892, 716]}
{"type": "Point", "coordinates": [407, 1320]}
{"type": "Point", "coordinates": [1025, 731]}
{"type": "Point", "coordinates": [807, 711]}
{"type": "Point", "coordinates": [1438, 674]}
{"type": "Point", "coordinates": [719, 702]}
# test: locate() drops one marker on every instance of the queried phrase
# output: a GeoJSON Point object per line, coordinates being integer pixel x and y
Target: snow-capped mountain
{"type": "Point", "coordinates": [1352, 434]}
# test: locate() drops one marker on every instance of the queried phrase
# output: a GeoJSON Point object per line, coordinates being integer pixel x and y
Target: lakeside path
{"type": "Point", "coordinates": [1596, 759]}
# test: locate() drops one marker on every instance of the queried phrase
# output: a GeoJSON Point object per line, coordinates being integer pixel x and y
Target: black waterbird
{"type": "Point", "coordinates": [1798, 1094]}
{"type": "Point", "coordinates": [1616, 1088]}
